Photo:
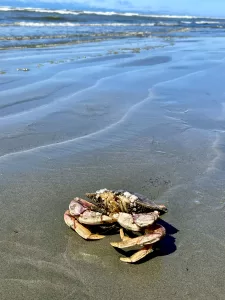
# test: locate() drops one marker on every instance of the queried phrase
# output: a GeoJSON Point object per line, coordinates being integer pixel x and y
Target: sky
{"type": "Point", "coordinates": [191, 7]}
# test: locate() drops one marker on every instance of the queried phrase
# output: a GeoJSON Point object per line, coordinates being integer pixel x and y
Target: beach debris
{"type": "Point", "coordinates": [130, 211]}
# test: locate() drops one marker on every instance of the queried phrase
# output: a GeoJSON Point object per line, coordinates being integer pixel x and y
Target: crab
{"type": "Point", "coordinates": [130, 211]}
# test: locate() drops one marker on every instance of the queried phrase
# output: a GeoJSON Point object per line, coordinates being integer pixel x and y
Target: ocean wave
{"type": "Point", "coordinates": [112, 24]}
{"type": "Point", "coordinates": [186, 22]}
{"type": "Point", "coordinates": [207, 22]}
{"type": "Point", "coordinates": [167, 24]}
{"type": "Point", "coordinates": [109, 13]}
{"type": "Point", "coordinates": [62, 24]}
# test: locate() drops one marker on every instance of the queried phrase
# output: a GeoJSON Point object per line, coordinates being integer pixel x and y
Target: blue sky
{"type": "Point", "coordinates": [193, 7]}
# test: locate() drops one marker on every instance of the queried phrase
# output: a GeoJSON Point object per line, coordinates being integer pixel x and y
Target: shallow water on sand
{"type": "Point", "coordinates": [152, 122]}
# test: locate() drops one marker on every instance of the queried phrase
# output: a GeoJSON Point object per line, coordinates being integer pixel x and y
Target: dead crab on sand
{"type": "Point", "coordinates": [132, 212]}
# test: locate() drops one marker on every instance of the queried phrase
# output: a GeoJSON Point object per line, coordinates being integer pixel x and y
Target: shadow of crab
{"type": "Point", "coordinates": [106, 229]}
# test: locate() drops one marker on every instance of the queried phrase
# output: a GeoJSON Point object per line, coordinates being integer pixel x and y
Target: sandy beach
{"type": "Point", "coordinates": [150, 121]}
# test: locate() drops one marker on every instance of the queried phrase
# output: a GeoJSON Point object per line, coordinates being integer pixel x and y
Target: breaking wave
{"type": "Point", "coordinates": [109, 13]}
{"type": "Point", "coordinates": [207, 22]}
{"type": "Point", "coordinates": [61, 24]}
{"type": "Point", "coordinates": [107, 24]}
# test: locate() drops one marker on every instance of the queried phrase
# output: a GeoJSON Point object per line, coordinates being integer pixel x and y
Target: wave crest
{"type": "Point", "coordinates": [103, 13]}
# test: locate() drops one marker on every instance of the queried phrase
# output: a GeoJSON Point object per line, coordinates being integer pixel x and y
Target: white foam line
{"type": "Point", "coordinates": [115, 24]}
{"type": "Point", "coordinates": [93, 134]}
{"type": "Point", "coordinates": [70, 24]}
{"type": "Point", "coordinates": [212, 165]}
{"type": "Point", "coordinates": [178, 112]}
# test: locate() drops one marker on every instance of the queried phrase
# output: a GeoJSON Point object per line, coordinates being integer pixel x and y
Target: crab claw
{"type": "Point", "coordinates": [95, 218]}
{"type": "Point", "coordinates": [78, 206]}
{"type": "Point", "coordinates": [152, 235]}
{"type": "Point", "coordinates": [135, 222]}
{"type": "Point", "coordinates": [80, 229]}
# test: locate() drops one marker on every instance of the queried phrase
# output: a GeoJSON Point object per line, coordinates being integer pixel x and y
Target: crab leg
{"type": "Point", "coordinates": [138, 255]}
{"type": "Point", "coordinates": [122, 235]}
{"type": "Point", "coordinates": [85, 233]}
{"type": "Point", "coordinates": [80, 229]}
{"type": "Point", "coordinates": [152, 235]}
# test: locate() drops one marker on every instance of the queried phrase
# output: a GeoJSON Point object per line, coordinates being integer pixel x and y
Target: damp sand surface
{"type": "Point", "coordinates": [151, 122]}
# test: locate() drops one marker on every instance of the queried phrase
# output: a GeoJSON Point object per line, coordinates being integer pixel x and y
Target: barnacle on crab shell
{"type": "Point", "coordinates": [123, 201]}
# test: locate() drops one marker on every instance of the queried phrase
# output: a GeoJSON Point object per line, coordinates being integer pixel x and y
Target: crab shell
{"type": "Point", "coordinates": [114, 201]}
{"type": "Point", "coordinates": [131, 211]}
{"type": "Point", "coordinates": [86, 213]}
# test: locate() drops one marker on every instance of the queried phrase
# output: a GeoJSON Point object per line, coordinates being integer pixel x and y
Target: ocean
{"type": "Point", "coordinates": [32, 27]}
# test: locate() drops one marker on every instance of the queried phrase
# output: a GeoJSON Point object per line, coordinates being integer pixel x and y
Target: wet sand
{"type": "Point", "coordinates": [152, 122]}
